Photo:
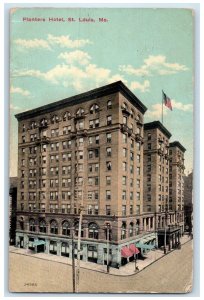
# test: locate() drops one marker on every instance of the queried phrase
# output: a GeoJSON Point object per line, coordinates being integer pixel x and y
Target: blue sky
{"type": "Point", "coordinates": [148, 49]}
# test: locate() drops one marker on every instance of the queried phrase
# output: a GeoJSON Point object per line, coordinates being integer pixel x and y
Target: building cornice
{"type": "Point", "coordinates": [157, 125]}
{"type": "Point", "coordinates": [178, 145]}
{"type": "Point", "coordinates": [109, 89]}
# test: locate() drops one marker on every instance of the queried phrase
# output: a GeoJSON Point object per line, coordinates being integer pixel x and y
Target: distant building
{"type": "Point", "coordinates": [188, 202]}
{"type": "Point", "coordinates": [176, 186]}
{"type": "Point", "coordinates": [157, 181]}
{"type": "Point", "coordinates": [12, 209]}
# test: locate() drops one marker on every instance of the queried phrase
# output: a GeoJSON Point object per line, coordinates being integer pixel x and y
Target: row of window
{"type": "Point", "coordinates": [66, 182]}
{"type": "Point", "coordinates": [67, 195]}
{"type": "Point", "coordinates": [161, 188]}
{"type": "Point", "coordinates": [79, 112]}
{"type": "Point", "coordinates": [160, 178]}
{"type": "Point", "coordinates": [65, 170]}
{"type": "Point", "coordinates": [160, 197]}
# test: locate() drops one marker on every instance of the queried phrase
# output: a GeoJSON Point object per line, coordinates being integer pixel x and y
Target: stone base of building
{"type": "Point", "coordinates": [92, 251]}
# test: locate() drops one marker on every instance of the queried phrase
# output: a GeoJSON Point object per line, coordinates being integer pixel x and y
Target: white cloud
{"type": "Point", "coordinates": [154, 65]}
{"type": "Point", "coordinates": [61, 41]}
{"type": "Point", "coordinates": [64, 41]}
{"type": "Point", "coordinates": [130, 70]}
{"type": "Point", "coordinates": [77, 56]}
{"type": "Point", "coordinates": [155, 112]}
{"type": "Point", "coordinates": [117, 77]}
{"type": "Point", "coordinates": [181, 106]}
{"type": "Point", "coordinates": [18, 90]}
{"type": "Point", "coordinates": [13, 107]}
{"type": "Point", "coordinates": [31, 44]}
{"type": "Point", "coordinates": [134, 85]}
{"type": "Point", "coordinates": [88, 76]}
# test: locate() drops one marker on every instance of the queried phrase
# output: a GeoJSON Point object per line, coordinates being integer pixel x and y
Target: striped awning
{"type": "Point", "coordinates": [134, 249]}
{"type": "Point", "coordinates": [145, 246]}
{"type": "Point", "coordinates": [125, 252]}
{"type": "Point", "coordinates": [38, 243]}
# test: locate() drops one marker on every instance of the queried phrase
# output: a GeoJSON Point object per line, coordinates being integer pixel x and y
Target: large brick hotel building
{"type": "Point", "coordinates": [87, 150]}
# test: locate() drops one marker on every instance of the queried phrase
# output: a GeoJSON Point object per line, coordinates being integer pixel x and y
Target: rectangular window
{"type": "Point", "coordinates": [123, 195]}
{"type": "Point", "coordinates": [108, 152]}
{"type": "Point", "coordinates": [109, 120]}
{"type": "Point", "coordinates": [124, 138]}
{"type": "Point", "coordinates": [108, 180]}
{"type": "Point", "coordinates": [108, 210]}
{"type": "Point", "coordinates": [108, 137]}
{"type": "Point", "coordinates": [97, 139]}
{"type": "Point", "coordinates": [124, 152]}
{"type": "Point", "coordinates": [108, 166]}
{"type": "Point", "coordinates": [123, 210]}
{"type": "Point", "coordinates": [138, 146]}
{"type": "Point", "coordinates": [124, 120]}
{"type": "Point", "coordinates": [124, 181]}
{"type": "Point", "coordinates": [108, 195]}
{"type": "Point", "coordinates": [81, 124]}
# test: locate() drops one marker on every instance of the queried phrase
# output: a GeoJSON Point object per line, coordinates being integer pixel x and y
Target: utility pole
{"type": "Point", "coordinates": [73, 263]}
{"type": "Point", "coordinates": [108, 234]}
{"type": "Point", "coordinates": [165, 232]}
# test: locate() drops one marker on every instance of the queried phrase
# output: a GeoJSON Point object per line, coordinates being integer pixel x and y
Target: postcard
{"type": "Point", "coordinates": [101, 150]}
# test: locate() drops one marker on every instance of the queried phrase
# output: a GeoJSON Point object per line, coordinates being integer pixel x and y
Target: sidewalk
{"type": "Point", "coordinates": [128, 269]}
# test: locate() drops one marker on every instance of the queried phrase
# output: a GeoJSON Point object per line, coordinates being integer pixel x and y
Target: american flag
{"type": "Point", "coordinates": [167, 101]}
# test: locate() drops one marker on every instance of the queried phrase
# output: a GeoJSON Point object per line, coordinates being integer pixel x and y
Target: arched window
{"type": "Point", "coordinates": [123, 231]}
{"type": "Point", "coordinates": [131, 229]}
{"type": "Point", "coordinates": [33, 125]}
{"type": "Point", "coordinates": [66, 116]}
{"type": "Point", "coordinates": [80, 112]}
{"type": "Point", "coordinates": [43, 122]}
{"type": "Point", "coordinates": [32, 225]}
{"type": "Point", "coordinates": [42, 226]}
{"type": "Point", "coordinates": [109, 104]}
{"type": "Point", "coordinates": [93, 231]}
{"type": "Point", "coordinates": [94, 108]}
{"type": "Point", "coordinates": [54, 119]}
{"type": "Point", "coordinates": [138, 118]}
{"type": "Point", "coordinates": [132, 113]}
{"type": "Point", "coordinates": [137, 226]}
{"type": "Point", "coordinates": [76, 226]}
{"type": "Point", "coordinates": [54, 227]}
{"type": "Point", "coordinates": [125, 107]}
{"type": "Point", "coordinates": [66, 228]}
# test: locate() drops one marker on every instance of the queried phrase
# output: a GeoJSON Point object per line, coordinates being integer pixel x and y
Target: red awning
{"type": "Point", "coordinates": [134, 249]}
{"type": "Point", "coordinates": [125, 252]}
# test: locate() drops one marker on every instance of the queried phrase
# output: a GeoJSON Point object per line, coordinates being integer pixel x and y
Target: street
{"type": "Point", "coordinates": [170, 274]}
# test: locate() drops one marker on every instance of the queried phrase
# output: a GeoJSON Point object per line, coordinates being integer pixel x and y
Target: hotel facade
{"type": "Point", "coordinates": [84, 153]}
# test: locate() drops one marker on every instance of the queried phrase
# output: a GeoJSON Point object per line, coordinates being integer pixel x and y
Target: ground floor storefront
{"type": "Point", "coordinates": [93, 251]}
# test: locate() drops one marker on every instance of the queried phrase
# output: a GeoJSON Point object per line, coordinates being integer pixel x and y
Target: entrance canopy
{"type": "Point", "coordinates": [134, 249]}
{"type": "Point", "coordinates": [38, 243]}
{"type": "Point", "coordinates": [145, 246]}
{"type": "Point", "coordinates": [125, 252]}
